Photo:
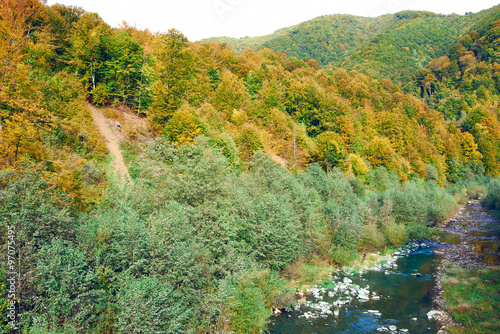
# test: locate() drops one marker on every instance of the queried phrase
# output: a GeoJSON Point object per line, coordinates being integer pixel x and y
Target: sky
{"type": "Point", "coordinates": [198, 19]}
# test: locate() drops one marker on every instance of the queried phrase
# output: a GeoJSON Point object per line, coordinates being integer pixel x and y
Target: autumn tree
{"type": "Point", "coordinates": [20, 116]}
{"type": "Point", "coordinates": [231, 93]}
{"type": "Point", "coordinates": [183, 127]}
{"type": "Point", "coordinates": [330, 150]}
{"type": "Point", "coordinates": [380, 152]}
{"type": "Point", "coordinates": [14, 31]}
{"type": "Point", "coordinates": [60, 20]}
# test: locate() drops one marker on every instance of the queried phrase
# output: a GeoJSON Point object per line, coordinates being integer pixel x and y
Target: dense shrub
{"type": "Point", "coordinates": [276, 232]}
{"type": "Point", "coordinates": [67, 290]}
{"type": "Point", "coordinates": [254, 295]}
{"type": "Point", "coordinates": [198, 244]}
{"type": "Point", "coordinates": [151, 305]}
{"type": "Point", "coordinates": [492, 200]}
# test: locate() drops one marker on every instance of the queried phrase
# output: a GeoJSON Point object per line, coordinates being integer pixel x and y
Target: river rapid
{"type": "Point", "coordinates": [400, 295]}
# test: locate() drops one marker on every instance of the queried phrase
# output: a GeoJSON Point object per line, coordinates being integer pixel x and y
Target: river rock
{"type": "Point", "coordinates": [363, 294]}
{"type": "Point", "coordinates": [374, 312]}
{"type": "Point", "coordinates": [434, 314]}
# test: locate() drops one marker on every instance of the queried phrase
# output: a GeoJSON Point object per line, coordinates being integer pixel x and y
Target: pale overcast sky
{"type": "Point", "coordinates": [198, 19]}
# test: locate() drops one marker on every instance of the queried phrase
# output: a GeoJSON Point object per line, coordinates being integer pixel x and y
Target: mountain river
{"type": "Point", "coordinates": [395, 296]}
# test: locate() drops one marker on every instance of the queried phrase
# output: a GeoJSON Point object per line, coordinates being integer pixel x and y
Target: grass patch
{"type": "Point", "coordinates": [131, 159]}
{"type": "Point", "coordinates": [387, 251]}
{"type": "Point", "coordinates": [303, 275]}
{"type": "Point", "coordinates": [113, 114]}
{"type": "Point", "coordinates": [328, 284]}
{"type": "Point", "coordinates": [473, 299]}
{"type": "Point", "coordinates": [370, 260]}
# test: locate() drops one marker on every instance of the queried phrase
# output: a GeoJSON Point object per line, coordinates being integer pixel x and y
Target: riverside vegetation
{"type": "Point", "coordinates": [257, 170]}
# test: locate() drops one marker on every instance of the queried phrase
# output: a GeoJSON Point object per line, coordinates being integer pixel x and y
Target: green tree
{"type": "Point", "coordinates": [150, 305]}
{"type": "Point", "coordinates": [67, 289]}
{"type": "Point", "coordinates": [88, 48]}
{"type": "Point", "coordinates": [331, 151]}
{"type": "Point", "coordinates": [122, 68]}
{"type": "Point", "coordinates": [174, 69]}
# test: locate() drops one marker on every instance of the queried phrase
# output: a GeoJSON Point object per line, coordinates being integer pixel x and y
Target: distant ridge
{"type": "Point", "coordinates": [389, 46]}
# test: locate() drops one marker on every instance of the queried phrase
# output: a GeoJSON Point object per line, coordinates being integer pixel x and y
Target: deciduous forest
{"type": "Point", "coordinates": [257, 168]}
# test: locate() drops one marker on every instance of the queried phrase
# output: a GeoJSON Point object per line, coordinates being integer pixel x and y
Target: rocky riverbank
{"type": "Point", "coordinates": [376, 294]}
{"type": "Point", "coordinates": [466, 235]}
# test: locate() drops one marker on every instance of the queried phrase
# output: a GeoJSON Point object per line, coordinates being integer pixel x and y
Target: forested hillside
{"type": "Point", "coordinates": [257, 171]}
{"type": "Point", "coordinates": [391, 46]}
{"type": "Point", "coordinates": [294, 110]}
{"type": "Point", "coordinates": [464, 86]}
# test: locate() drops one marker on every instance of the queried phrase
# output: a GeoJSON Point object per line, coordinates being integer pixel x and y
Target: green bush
{"type": "Point", "coordinates": [395, 233]}
{"type": "Point", "coordinates": [409, 203]}
{"type": "Point", "coordinates": [441, 205]}
{"type": "Point", "coordinates": [431, 173]}
{"type": "Point", "coordinates": [342, 256]}
{"type": "Point", "coordinates": [249, 312]}
{"type": "Point", "coordinates": [67, 292]}
{"type": "Point", "coordinates": [254, 295]}
{"type": "Point", "coordinates": [492, 200]}
{"type": "Point", "coordinates": [420, 232]}
{"type": "Point", "coordinates": [372, 238]}
{"type": "Point", "coordinates": [150, 305]}
{"type": "Point", "coordinates": [277, 239]}
{"type": "Point", "coordinates": [380, 179]}
{"type": "Point", "coordinates": [345, 242]}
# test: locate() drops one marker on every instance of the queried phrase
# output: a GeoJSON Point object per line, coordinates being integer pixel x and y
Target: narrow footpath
{"type": "Point", "coordinates": [109, 132]}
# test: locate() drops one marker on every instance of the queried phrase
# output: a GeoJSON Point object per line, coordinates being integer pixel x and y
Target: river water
{"type": "Point", "coordinates": [395, 297]}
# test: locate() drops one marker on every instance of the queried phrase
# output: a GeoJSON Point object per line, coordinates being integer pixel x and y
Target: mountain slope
{"type": "Point", "coordinates": [464, 86]}
{"type": "Point", "coordinates": [211, 235]}
{"type": "Point", "coordinates": [388, 46]}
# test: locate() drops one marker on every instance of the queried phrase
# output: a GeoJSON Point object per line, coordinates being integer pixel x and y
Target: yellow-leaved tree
{"type": "Point", "coordinates": [183, 127]}
{"type": "Point", "coordinates": [20, 116]}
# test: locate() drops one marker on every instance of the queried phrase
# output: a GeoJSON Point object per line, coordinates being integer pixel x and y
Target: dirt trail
{"type": "Point", "coordinates": [108, 130]}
